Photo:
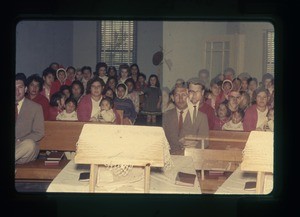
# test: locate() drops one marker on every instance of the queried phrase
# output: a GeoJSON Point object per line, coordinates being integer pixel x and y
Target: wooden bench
{"type": "Point", "coordinates": [63, 136]}
{"type": "Point", "coordinates": [225, 149]}
{"type": "Point", "coordinates": [59, 136]}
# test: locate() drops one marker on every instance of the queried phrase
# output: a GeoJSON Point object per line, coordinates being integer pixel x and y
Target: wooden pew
{"type": "Point", "coordinates": [59, 136]}
{"type": "Point", "coordinates": [224, 151]}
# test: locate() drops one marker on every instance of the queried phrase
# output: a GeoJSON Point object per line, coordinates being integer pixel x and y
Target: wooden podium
{"type": "Point", "coordinates": [138, 146]}
{"type": "Point", "coordinates": [258, 156]}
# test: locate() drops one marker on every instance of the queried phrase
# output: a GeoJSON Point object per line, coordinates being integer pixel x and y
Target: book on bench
{"type": "Point", "coordinates": [55, 155]}
{"type": "Point", "coordinates": [185, 179]}
{"type": "Point", "coordinates": [54, 158]}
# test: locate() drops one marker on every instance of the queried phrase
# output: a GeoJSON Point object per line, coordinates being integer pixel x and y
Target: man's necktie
{"type": "Point", "coordinates": [180, 122]}
{"type": "Point", "coordinates": [194, 114]}
{"type": "Point", "coordinates": [16, 110]}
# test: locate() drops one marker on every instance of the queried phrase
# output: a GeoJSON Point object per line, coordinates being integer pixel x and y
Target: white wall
{"type": "Point", "coordinates": [85, 44]}
{"type": "Point", "coordinates": [149, 41]}
{"type": "Point", "coordinates": [185, 42]}
{"type": "Point", "coordinates": [39, 43]}
{"type": "Point", "coordinates": [253, 63]}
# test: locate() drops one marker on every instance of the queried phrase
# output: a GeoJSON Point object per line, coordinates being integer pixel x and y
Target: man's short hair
{"type": "Point", "coordinates": [21, 76]}
{"type": "Point", "coordinates": [196, 81]}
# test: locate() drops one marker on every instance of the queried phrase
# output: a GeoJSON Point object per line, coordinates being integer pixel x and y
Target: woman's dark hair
{"type": "Point", "coordinates": [71, 99]}
{"type": "Point", "coordinates": [107, 89]}
{"type": "Point", "coordinates": [111, 78]}
{"type": "Point", "coordinates": [36, 78]}
{"type": "Point", "coordinates": [55, 97]}
{"type": "Point", "coordinates": [143, 75]}
{"type": "Point", "coordinates": [128, 80]}
{"type": "Point", "coordinates": [228, 113]}
{"type": "Point", "coordinates": [252, 79]}
{"type": "Point", "coordinates": [114, 69]}
{"type": "Point", "coordinates": [47, 71]}
{"type": "Point", "coordinates": [98, 66]}
{"type": "Point", "coordinates": [53, 63]}
{"type": "Point", "coordinates": [93, 80]}
{"type": "Point", "coordinates": [135, 65]}
{"type": "Point", "coordinates": [157, 81]}
{"type": "Point", "coordinates": [71, 67]}
{"type": "Point", "coordinates": [79, 83]}
{"type": "Point", "coordinates": [65, 87]}
{"type": "Point", "coordinates": [86, 68]}
{"type": "Point", "coordinates": [124, 66]}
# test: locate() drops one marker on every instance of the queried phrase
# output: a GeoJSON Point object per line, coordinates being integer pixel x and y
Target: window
{"type": "Point", "coordinates": [269, 51]}
{"type": "Point", "coordinates": [217, 55]}
{"type": "Point", "coordinates": [117, 42]}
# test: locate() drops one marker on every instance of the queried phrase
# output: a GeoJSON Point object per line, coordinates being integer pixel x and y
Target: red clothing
{"type": "Point", "coordinates": [218, 123]}
{"type": "Point", "coordinates": [84, 110]}
{"type": "Point", "coordinates": [219, 99]}
{"type": "Point", "coordinates": [250, 118]}
{"type": "Point", "coordinates": [53, 112]}
{"type": "Point", "coordinates": [210, 113]}
{"type": "Point", "coordinates": [43, 101]}
{"type": "Point", "coordinates": [57, 84]}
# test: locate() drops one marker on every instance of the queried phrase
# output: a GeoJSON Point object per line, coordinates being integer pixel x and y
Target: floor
{"type": "Point", "coordinates": [42, 186]}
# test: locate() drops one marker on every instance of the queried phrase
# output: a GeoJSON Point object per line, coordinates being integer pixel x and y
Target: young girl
{"type": "Point", "coordinates": [153, 98]}
{"type": "Point", "coordinates": [66, 90]}
{"type": "Point", "coordinates": [141, 83]}
{"type": "Point", "coordinates": [108, 92]}
{"type": "Point", "coordinates": [235, 124]}
{"type": "Point", "coordinates": [132, 94]}
{"type": "Point", "coordinates": [57, 105]}
{"type": "Point", "coordinates": [223, 114]}
{"type": "Point", "coordinates": [121, 102]}
{"type": "Point", "coordinates": [62, 79]}
{"type": "Point", "coordinates": [106, 113]}
{"type": "Point", "coordinates": [69, 113]}
{"type": "Point", "coordinates": [226, 88]}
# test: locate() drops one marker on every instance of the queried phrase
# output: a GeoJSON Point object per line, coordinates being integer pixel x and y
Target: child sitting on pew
{"type": "Point", "coordinates": [236, 122]}
{"type": "Point", "coordinates": [106, 113]}
{"type": "Point", "coordinates": [69, 113]}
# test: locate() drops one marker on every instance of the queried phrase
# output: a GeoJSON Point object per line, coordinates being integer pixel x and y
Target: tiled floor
{"type": "Point", "coordinates": [42, 186]}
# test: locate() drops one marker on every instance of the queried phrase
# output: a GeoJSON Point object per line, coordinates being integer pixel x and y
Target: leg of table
{"type": "Point", "coordinates": [260, 182]}
{"type": "Point", "coordinates": [93, 176]}
{"type": "Point", "coordinates": [147, 178]}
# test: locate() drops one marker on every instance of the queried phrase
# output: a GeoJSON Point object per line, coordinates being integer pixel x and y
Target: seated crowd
{"type": "Point", "coordinates": [226, 102]}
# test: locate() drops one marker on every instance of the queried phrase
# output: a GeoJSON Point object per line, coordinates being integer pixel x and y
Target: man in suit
{"type": "Point", "coordinates": [196, 100]}
{"type": "Point", "coordinates": [177, 123]}
{"type": "Point", "coordinates": [29, 124]}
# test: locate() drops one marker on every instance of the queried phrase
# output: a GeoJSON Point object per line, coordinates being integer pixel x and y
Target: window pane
{"type": "Point", "coordinates": [217, 62]}
{"type": "Point", "coordinates": [217, 46]}
{"type": "Point", "coordinates": [117, 42]}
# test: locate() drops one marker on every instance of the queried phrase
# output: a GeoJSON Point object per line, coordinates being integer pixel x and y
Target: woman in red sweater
{"type": "Point", "coordinates": [256, 115]}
